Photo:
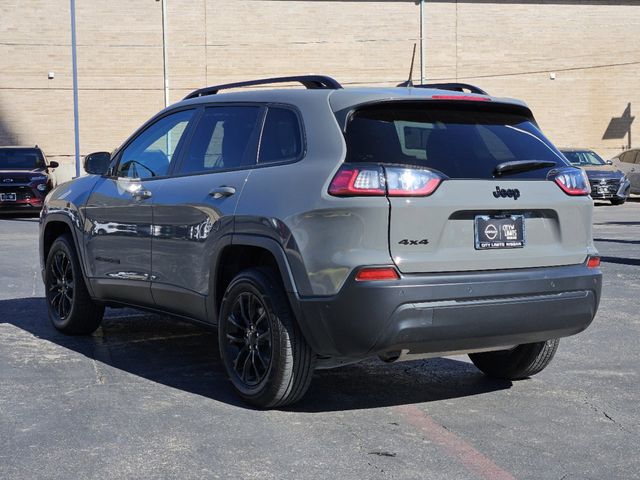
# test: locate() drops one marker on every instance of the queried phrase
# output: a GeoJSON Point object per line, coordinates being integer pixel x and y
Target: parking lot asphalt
{"type": "Point", "coordinates": [146, 397]}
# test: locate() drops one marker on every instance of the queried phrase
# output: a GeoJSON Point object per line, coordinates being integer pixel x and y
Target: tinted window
{"type": "Point", "coordinates": [281, 138]}
{"type": "Point", "coordinates": [224, 138]}
{"type": "Point", "coordinates": [151, 152]}
{"type": "Point", "coordinates": [627, 157]}
{"type": "Point", "coordinates": [461, 142]}
{"type": "Point", "coordinates": [584, 158]}
{"type": "Point", "coordinates": [21, 158]}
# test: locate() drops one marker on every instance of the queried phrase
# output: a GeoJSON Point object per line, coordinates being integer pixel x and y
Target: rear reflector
{"type": "Point", "coordinates": [573, 181]}
{"type": "Point", "coordinates": [377, 273]}
{"type": "Point", "coordinates": [593, 262]}
{"type": "Point", "coordinates": [467, 98]}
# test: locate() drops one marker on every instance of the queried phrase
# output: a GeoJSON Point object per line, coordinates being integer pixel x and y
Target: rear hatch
{"type": "Point", "coordinates": [477, 218]}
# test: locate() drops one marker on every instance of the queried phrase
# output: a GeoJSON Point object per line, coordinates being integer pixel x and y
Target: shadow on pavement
{"type": "Point", "coordinates": [617, 223]}
{"type": "Point", "coordinates": [617, 240]}
{"type": "Point", "coordinates": [21, 217]}
{"type": "Point", "coordinates": [621, 260]}
{"type": "Point", "coordinates": [180, 355]}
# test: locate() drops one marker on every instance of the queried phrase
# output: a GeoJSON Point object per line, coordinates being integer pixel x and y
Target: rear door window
{"type": "Point", "coordinates": [459, 141]}
{"type": "Point", "coordinates": [225, 138]}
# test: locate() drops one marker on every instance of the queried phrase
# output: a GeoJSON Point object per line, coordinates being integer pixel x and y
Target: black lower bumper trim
{"type": "Point", "coordinates": [448, 312]}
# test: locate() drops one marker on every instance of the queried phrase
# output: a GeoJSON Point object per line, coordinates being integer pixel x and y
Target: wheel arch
{"type": "Point", "coordinates": [53, 226]}
{"type": "Point", "coordinates": [240, 253]}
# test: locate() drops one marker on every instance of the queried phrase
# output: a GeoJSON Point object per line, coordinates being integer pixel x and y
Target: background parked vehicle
{"type": "Point", "coordinates": [25, 178]}
{"type": "Point", "coordinates": [607, 181]}
{"type": "Point", "coordinates": [629, 162]}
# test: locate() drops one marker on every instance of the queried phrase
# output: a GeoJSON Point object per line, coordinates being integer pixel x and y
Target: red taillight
{"type": "Point", "coordinates": [593, 262]}
{"type": "Point", "coordinates": [377, 273]}
{"type": "Point", "coordinates": [468, 98]}
{"type": "Point", "coordinates": [572, 181]}
{"type": "Point", "coordinates": [355, 181]}
{"type": "Point", "coordinates": [373, 180]}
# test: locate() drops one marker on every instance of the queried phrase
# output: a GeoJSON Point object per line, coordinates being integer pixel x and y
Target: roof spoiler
{"type": "Point", "coordinates": [453, 87]}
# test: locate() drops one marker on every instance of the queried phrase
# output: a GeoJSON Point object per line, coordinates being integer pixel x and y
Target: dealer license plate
{"type": "Point", "coordinates": [493, 232]}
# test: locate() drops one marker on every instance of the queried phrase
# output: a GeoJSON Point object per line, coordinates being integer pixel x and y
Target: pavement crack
{"type": "Point", "coordinates": [597, 409]}
{"type": "Point", "coordinates": [382, 453]}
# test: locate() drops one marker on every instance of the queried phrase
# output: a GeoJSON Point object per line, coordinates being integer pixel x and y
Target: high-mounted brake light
{"type": "Point", "coordinates": [573, 181]}
{"type": "Point", "coordinates": [468, 98]}
{"type": "Point", "coordinates": [377, 273]}
{"type": "Point", "coordinates": [374, 180]}
{"type": "Point", "coordinates": [593, 262]}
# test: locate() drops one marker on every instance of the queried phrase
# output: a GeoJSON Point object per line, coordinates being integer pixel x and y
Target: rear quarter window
{"type": "Point", "coordinates": [281, 139]}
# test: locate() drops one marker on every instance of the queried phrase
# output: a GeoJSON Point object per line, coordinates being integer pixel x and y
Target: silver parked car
{"type": "Point", "coordinates": [629, 162]}
{"type": "Point", "coordinates": [321, 226]}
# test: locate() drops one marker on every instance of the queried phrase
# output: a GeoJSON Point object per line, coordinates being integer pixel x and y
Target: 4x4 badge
{"type": "Point", "coordinates": [511, 193]}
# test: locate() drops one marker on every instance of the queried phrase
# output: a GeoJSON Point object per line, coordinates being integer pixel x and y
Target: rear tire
{"type": "Point", "coordinates": [521, 362]}
{"type": "Point", "coordinates": [618, 201]}
{"type": "Point", "coordinates": [70, 307]}
{"type": "Point", "coordinates": [264, 353]}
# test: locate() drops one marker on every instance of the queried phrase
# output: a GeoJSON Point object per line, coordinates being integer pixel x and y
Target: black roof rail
{"type": "Point", "coordinates": [309, 81]}
{"type": "Point", "coordinates": [453, 86]}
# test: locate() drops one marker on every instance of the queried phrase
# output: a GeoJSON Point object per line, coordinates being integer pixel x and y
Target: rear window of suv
{"type": "Point", "coordinates": [459, 141]}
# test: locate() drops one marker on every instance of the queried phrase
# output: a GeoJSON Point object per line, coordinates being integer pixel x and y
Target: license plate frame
{"type": "Point", "coordinates": [8, 197]}
{"type": "Point", "coordinates": [497, 232]}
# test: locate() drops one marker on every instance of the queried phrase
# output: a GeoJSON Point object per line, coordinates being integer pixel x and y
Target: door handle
{"type": "Point", "coordinates": [141, 194]}
{"type": "Point", "coordinates": [222, 191]}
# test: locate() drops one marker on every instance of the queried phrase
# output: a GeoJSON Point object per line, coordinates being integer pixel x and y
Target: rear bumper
{"type": "Point", "coordinates": [449, 312]}
{"type": "Point", "coordinates": [33, 204]}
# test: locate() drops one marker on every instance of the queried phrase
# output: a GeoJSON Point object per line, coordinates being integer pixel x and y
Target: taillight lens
{"type": "Point", "coordinates": [374, 180]}
{"type": "Point", "coordinates": [593, 262]}
{"type": "Point", "coordinates": [573, 181]}
{"type": "Point", "coordinates": [411, 182]}
{"type": "Point", "coordinates": [356, 181]}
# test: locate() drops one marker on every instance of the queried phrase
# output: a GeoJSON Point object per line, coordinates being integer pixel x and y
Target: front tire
{"type": "Point", "coordinates": [617, 201]}
{"type": "Point", "coordinates": [520, 362]}
{"type": "Point", "coordinates": [70, 307]}
{"type": "Point", "coordinates": [264, 353]}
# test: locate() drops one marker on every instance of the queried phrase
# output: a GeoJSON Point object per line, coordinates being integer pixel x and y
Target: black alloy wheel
{"type": "Point", "coordinates": [60, 285]}
{"type": "Point", "coordinates": [261, 346]}
{"type": "Point", "coordinates": [249, 342]}
{"type": "Point", "coordinates": [71, 309]}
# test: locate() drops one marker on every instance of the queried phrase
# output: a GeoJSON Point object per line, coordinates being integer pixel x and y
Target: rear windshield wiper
{"type": "Point", "coordinates": [518, 166]}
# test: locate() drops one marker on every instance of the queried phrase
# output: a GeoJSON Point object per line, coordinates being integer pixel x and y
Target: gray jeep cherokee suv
{"type": "Point", "coordinates": [320, 226]}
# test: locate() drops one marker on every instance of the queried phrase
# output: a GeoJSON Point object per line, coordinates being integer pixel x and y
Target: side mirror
{"type": "Point", "coordinates": [97, 163]}
{"type": "Point", "coordinates": [53, 164]}
{"type": "Point", "coordinates": [609, 162]}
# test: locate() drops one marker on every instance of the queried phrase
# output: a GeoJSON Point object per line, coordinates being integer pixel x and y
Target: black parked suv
{"type": "Point", "coordinates": [321, 226]}
{"type": "Point", "coordinates": [25, 178]}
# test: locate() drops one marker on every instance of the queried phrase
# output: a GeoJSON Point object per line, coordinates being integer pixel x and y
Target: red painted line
{"type": "Point", "coordinates": [472, 459]}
